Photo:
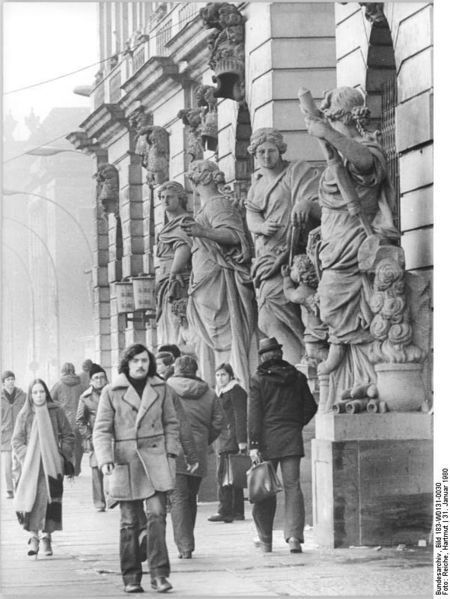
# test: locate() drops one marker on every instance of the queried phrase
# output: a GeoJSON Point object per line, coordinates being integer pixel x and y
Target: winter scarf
{"type": "Point", "coordinates": [43, 447]}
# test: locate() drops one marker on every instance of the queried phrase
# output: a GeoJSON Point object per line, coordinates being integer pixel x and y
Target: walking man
{"type": "Point", "coordinates": [86, 414]}
{"type": "Point", "coordinates": [66, 392]}
{"type": "Point", "coordinates": [136, 441]}
{"type": "Point", "coordinates": [13, 399]}
{"type": "Point", "coordinates": [280, 405]}
{"type": "Point", "coordinates": [205, 415]}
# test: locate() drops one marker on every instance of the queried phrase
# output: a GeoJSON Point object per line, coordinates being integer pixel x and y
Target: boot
{"type": "Point", "coordinates": [34, 546]}
{"type": "Point", "coordinates": [47, 546]}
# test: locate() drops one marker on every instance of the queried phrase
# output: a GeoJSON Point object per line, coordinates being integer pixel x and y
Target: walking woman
{"type": "Point", "coordinates": [42, 436]}
{"type": "Point", "coordinates": [232, 439]}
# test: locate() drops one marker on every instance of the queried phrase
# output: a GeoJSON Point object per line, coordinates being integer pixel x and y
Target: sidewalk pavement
{"type": "Point", "coordinates": [85, 563]}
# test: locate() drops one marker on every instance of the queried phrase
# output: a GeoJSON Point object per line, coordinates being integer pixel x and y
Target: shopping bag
{"type": "Point", "coordinates": [262, 482]}
{"type": "Point", "coordinates": [226, 475]}
{"type": "Point", "coordinates": [239, 464]}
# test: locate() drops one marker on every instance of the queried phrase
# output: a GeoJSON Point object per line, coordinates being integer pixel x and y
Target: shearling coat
{"type": "Point", "coordinates": [136, 435]}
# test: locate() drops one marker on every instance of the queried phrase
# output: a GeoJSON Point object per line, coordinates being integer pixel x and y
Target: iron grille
{"type": "Point", "coordinates": [388, 104]}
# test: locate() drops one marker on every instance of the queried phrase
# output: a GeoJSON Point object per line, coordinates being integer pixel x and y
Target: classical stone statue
{"type": "Point", "coordinates": [361, 288]}
{"type": "Point", "coordinates": [283, 194]}
{"type": "Point", "coordinates": [221, 309]}
{"type": "Point", "coordinates": [173, 251]}
{"type": "Point", "coordinates": [201, 122]}
{"type": "Point", "coordinates": [192, 118]}
{"type": "Point", "coordinates": [107, 178]}
{"type": "Point", "coordinates": [155, 155]}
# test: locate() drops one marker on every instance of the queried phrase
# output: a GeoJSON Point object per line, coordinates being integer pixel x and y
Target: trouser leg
{"type": "Point", "coordinates": [238, 502]}
{"type": "Point", "coordinates": [78, 452]}
{"type": "Point", "coordinates": [7, 470]}
{"type": "Point", "coordinates": [98, 494]}
{"type": "Point", "coordinates": [294, 507]}
{"type": "Point", "coordinates": [182, 522]}
{"type": "Point", "coordinates": [131, 512]}
{"type": "Point", "coordinates": [158, 557]}
{"type": "Point", "coordinates": [194, 486]}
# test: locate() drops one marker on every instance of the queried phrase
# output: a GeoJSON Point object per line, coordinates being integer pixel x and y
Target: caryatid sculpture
{"type": "Point", "coordinates": [281, 202]}
{"type": "Point", "coordinates": [221, 308]}
{"type": "Point", "coordinates": [362, 269]}
{"type": "Point", "coordinates": [107, 178]}
{"type": "Point", "coordinates": [155, 155]}
{"type": "Point", "coordinates": [173, 251]}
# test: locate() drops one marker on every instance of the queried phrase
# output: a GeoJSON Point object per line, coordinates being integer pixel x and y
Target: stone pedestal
{"type": "Point", "coordinates": [372, 479]}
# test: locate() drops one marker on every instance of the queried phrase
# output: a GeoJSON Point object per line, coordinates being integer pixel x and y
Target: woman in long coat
{"type": "Point", "coordinates": [42, 436]}
{"type": "Point", "coordinates": [232, 439]}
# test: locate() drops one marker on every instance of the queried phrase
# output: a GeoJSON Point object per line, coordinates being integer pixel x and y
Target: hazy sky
{"type": "Point", "coordinates": [43, 40]}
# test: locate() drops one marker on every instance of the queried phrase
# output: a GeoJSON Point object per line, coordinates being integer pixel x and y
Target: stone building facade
{"type": "Point", "coordinates": [150, 118]}
{"type": "Point", "coordinates": [156, 55]}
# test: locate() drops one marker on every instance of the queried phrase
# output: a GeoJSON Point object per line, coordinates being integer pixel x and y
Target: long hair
{"type": "Point", "coordinates": [134, 350]}
{"type": "Point", "coordinates": [48, 397]}
{"type": "Point", "coordinates": [228, 369]}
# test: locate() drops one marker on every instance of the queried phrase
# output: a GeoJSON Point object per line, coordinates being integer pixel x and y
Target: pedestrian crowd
{"type": "Point", "coordinates": [148, 434]}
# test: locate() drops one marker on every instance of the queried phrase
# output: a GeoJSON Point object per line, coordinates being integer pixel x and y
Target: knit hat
{"type": "Point", "coordinates": [185, 366]}
{"type": "Point", "coordinates": [95, 368]}
{"type": "Point", "coordinates": [8, 374]}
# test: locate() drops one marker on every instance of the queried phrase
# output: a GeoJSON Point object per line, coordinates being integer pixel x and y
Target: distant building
{"type": "Point", "coordinates": [63, 304]}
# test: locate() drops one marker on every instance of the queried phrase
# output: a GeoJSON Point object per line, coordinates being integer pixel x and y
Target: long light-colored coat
{"type": "Point", "coordinates": [136, 435]}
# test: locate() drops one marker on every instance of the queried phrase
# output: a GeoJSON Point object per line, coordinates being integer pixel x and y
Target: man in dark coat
{"type": "Point", "coordinates": [136, 441]}
{"type": "Point", "coordinates": [280, 405]}
{"type": "Point", "coordinates": [13, 399]}
{"type": "Point", "coordinates": [86, 414]}
{"type": "Point", "coordinates": [66, 392]}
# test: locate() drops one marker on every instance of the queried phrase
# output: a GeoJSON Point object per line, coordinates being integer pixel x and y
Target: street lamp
{"type": "Point", "coordinates": [52, 262]}
{"type": "Point", "coordinates": [33, 364]}
{"type": "Point", "coordinates": [12, 192]}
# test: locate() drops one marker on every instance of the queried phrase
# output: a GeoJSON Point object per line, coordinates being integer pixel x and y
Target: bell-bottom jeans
{"type": "Point", "coordinates": [184, 510]}
{"type": "Point", "coordinates": [131, 517]}
{"type": "Point", "coordinates": [294, 507]}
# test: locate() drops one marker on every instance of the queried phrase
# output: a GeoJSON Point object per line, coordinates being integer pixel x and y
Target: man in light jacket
{"type": "Point", "coordinates": [86, 414]}
{"type": "Point", "coordinates": [205, 415]}
{"type": "Point", "coordinates": [136, 441]}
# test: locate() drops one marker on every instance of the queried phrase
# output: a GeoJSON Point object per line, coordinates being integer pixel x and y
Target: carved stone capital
{"type": "Point", "coordinates": [227, 48]}
{"type": "Point", "coordinates": [108, 189]}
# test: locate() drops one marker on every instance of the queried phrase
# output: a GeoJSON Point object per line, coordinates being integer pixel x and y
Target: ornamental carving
{"type": "Point", "coordinates": [226, 45]}
{"type": "Point", "coordinates": [201, 122]}
{"type": "Point", "coordinates": [140, 122]}
{"type": "Point", "coordinates": [153, 147]}
{"type": "Point", "coordinates": [108, 189]}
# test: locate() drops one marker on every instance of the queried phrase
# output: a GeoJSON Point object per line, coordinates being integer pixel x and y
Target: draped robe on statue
{"type": "Point", "coordinates": [344, 291]}
{"type": "Point", "coordinates": [171, 328]}
{"type": "Point", "coordinates": [274, 201]}
{"type": "Point", "coordinates": [221, 309]}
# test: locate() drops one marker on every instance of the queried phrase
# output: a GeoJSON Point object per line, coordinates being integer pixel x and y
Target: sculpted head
{"type": "Point", "coordinates": [170, 191]}
{"type": "Point", "coordinates": [347, 105]}
{"type": "Point", "coordinates": [267, 146]}
{"type": "Point", "coordinates": [205, 172]}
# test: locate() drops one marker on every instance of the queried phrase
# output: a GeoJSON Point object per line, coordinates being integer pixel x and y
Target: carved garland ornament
{"type": "Point", "coordinates": [227, 48]}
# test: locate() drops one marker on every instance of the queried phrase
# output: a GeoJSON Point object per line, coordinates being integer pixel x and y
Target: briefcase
{"type": "Point", "coordinates": [239, 464]}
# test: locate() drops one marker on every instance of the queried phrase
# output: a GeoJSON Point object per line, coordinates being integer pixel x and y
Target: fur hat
{"type": "Point", "coordinates": [95, 368]}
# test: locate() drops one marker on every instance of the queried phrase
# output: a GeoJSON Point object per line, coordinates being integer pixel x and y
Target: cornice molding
{"type": "Point", "coordinates": [105, 123]}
